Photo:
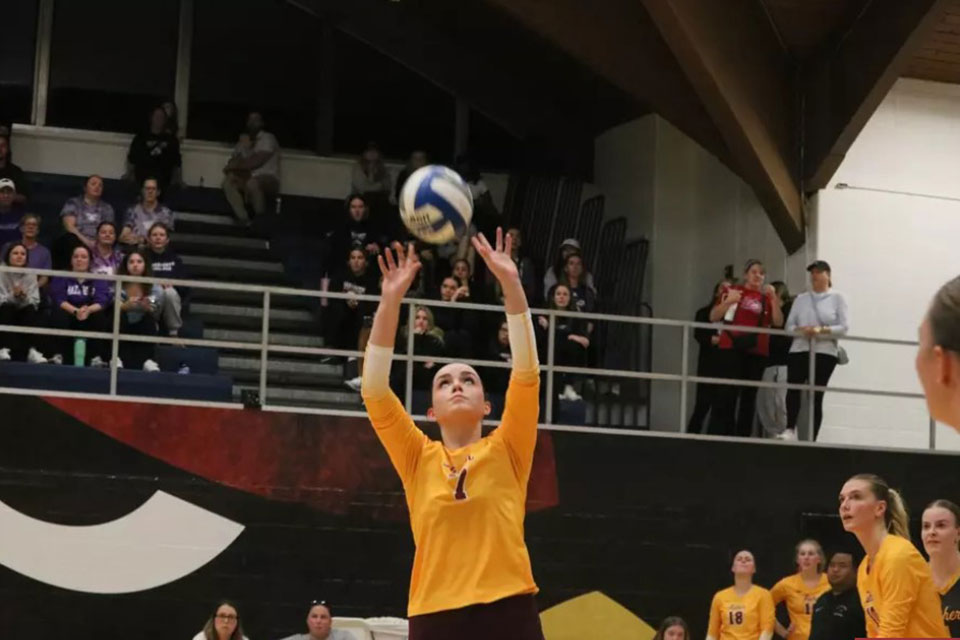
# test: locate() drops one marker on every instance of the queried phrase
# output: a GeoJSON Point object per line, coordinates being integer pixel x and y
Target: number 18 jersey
{"type": "Point", "coordinates": [733, 617]}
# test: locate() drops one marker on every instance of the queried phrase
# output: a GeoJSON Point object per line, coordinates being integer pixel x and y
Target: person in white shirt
{"type": "Point", "coordinates": [818, 312]}
{"type": "Point", "coordinates": [320, 625]}
{"type": "Point", "coordinates": [258, 170]}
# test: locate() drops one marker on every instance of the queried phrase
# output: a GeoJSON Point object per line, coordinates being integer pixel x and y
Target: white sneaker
{"type": "Point", "coordinates": [353, 383]}
{"type": "Point", "coordinates": [569, 393]}
{"type": "Point", "coordinates": [35, 357]}
{"type": "Point", "coordinates": [99, 362]}
{"type": "Point", "coordinates": [56, 359]}
{"type": "Point", "coordinates": [787, 434]}
{"type": "Point", "coordinates": [150, 365]}
{"type": "Point", "coordinates": [4, 354]}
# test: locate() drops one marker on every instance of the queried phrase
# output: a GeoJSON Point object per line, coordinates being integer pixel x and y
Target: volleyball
{"type": "Point", "coordinates": [435, 204]}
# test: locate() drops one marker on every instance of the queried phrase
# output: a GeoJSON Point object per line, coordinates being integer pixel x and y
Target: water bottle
{"type": "Point", "coordinates": [79, 352]}
{"type": "Point", "coordinates": [731, 312]}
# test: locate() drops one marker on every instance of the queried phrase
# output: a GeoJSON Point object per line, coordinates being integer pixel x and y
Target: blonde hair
{"type": "Point", "coordinates": [816, 545]}
{"type": "Point", "coordinates": [895, 517]}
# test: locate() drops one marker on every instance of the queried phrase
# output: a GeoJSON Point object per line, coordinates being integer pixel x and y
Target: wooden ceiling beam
{"type": "Point", "coordinates": [843, 87]}
{"type": "Point", "coordinates": [731, 56]}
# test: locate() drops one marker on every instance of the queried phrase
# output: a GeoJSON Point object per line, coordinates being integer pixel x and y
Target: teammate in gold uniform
{"type": "Point", "coordinates": [743, 611]}
{"type": "Point", "coordinates": [800, 591]}
{"type": "Point", "coordinates": [941, 541]}
{"type": "Point", "coordinates": [466, 495]}
{"type": "Point", "coordinates": [895, 584]}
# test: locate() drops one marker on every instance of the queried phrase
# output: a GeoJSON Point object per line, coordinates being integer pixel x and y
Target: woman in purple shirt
{"type": "Point", "coordinates": [106, 256]}
{"type": "Point", "coordinates": [78, 305]}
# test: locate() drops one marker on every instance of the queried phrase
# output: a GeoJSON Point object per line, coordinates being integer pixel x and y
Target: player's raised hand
{"type": "Point", "coordinates": [398, 272]}
{"type": "Point", "coordinates": [498, 259]}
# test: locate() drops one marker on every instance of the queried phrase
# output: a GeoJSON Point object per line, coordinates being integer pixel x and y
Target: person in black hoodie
{"type": "Point", "coordinates": [356, 230]}
{"type": "Point", "coordinates": [707, 339]}
{"type": "Point", "coordinates": [570, 339]}
{"type": "Point", "coordinates": [428, 340]}
{"type": "Point", "coordinates": [155, 153]}
{"type": "Point", "coordinates": [347, 322]}
{"type": "Point", "coordinates": [165, 263]}
{"type": "Point", "coordinates": [460, 326]}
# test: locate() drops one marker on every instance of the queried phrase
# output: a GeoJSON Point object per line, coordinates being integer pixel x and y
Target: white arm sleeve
{"type": "Point", "coordinates": [376, 370]}
{"type": "Point", "coordinates": [523, 342]}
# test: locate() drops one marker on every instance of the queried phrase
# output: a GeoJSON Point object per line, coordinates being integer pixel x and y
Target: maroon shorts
{"type": "Point", "coordinates": [515, 618]}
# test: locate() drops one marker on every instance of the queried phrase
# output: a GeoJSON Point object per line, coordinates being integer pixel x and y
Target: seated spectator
{"type": "Point", "coordinates": [223, 623]}
{"type": "Point", "coordinates": [252, 175]}
{"type": "Point", "coordinates": [164, 263]}
{"type": "Point", "coordinates": [673, 628]}
{"type": "Point", "coordinates": [139, 304]}
{"type": "Point", "coordinates": [417, 160]}
{"type": "Point", "coordinates": [320, 625]}
{"type": "Point", "coordinates": [428, 340]}
{"type": "Point", "coordinates": [145, 214]}
{"type": "Point", "coordinates": [486, 217]}
{"type": "Point", "coordinates": [347, 322]}
{"type": "Point", "coordinates": [498, 349]}
{"type": "Point", "coordinates": [469, 290]}
{"type": "Point", "coordinates": [370, 175]}
{"type": "Point", "coordinates": [10, 212]}
{"type": "Point", "coordinates": [584, 295]}
{"type": "Point", "coordinates": [525, 267]}
{"type": "Point", "coordinates": [460, 326]}
{"type": "Point", "coordinates": [78, 305]}
{"type": "Point", "coordinates": [38, 256]}
{"type": "Point", "coordinates": [570, 340]}
{"type": "Point", "coordinates": [438, 260]}
{"type": "Point", "coordinates": [81, 217]}
{"type": "Point", "coordinates": [551, 277]}
{"type": "Point", "coordinates": [19, 304]}
{"type": "Point", "coordinates": [356, 230]}
{"type": "Point", "coordinates": [155, 153]}
{"type": "Point", "coordinates": [13, 173]}
{"type": "Point", "coordinates": [172, 125]}
{"type": "Point", "coordinates": [106, 256]}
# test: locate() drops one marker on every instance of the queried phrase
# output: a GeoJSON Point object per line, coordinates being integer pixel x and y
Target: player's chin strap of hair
{"type": "Point", "coordinates": [523, 351]}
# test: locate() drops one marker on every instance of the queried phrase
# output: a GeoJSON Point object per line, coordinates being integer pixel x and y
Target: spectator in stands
{"type": "Point", "coordinates": [81, 217]}
{"type": "Point", "coordinates": [673, 628]}
{"type": "Point", "coordinates": [38, 256]}
{"type": "Point", "coordinates": [140, 303]}
{"type": "Point", "coordinates": [438, 260]}
{"type": "Point", "coordinates": [155, 153]}
{"type": "Point", "coordinates": [818, 313]}
{"type": "Point", "coordinates": [172, 125]}
{"type": "Point", "coordinates": [570, 339]}
{"type": "Point", "coordinates": [10, 212]}
{"type": "Point", "coordinates": [347, 322]}
{"type": "Point", "coordinates": [320, 625]}
{"type": "Point", "coordinates": [106, 256]}
{"type": "Point", "coordinates": [428, 340]}
{"type": "Point", "coordinates": [223, 624]}
{"type": "Point", "coordinates": [460, 326]}
{"type": "Point", "coordinates": [838, 614]}
{"type": "Point", "coordinates": [551, 277]}
{"type": "Point", "coordinates": [357, 230]}
{"type": "Point", "coordinates": [583, 294]}
{"type": "Point", "coordinates": [469, 290]}
{"type": "Point", "coordinates": [370, 175]}
{"type": "Point", "coordinates": [772, 403]}
{"type": "Point", "coordinates": [744, 610]}
{"type": "Point", "coordinates": [19, 304]}
{"type": "Point", "coordinates": [495, 380]}
{"type": "Point", "coordinates": [165, 263]}
{"type": "Point", "coordinates": [741, 355]}
{"type": "Point", "coordinates": [12, 172]}
{"type": "Point", "coordinates": [78, 305]}
{"type": "Point", "coordinates": [143, 215]}
{"type": "Point", "coordinates": [486, 217]}
{"type": "Point", "coordinates": [417, 159]}
{"type": "Point", "coordinates": [525, 267]}
{"type": "Point", "coordinates": [707, 339]}
{"type": "Point", "coordinates": [263, 164]}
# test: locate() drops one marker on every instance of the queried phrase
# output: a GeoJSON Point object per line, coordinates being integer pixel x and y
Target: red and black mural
{"type": "Point", "coordinates": [127, 520]}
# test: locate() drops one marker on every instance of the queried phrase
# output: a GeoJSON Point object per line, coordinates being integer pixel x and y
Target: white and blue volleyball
{"type": "Point", "coordinates": [435, 204]}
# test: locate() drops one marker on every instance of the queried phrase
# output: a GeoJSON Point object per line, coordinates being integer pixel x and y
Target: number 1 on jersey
{"type": "Point", "coordinates": [460, 494]}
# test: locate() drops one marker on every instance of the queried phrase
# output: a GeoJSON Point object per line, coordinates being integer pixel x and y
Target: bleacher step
{"type": "Point", "coordinates": [253, 337]}
{"type": "Point", "coordinates": [297, 396]}
{"type": "Point", "coordinates": [235, 311]}
{"type": "Point", "coordinates": [232, 265]}
{"type": "Point", "coordinates": [281, 365]}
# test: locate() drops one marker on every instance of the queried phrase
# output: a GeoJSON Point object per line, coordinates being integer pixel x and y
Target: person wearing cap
{"type": "Point", "coordinates": [13, 172]}
{"type": "Point", "coordinates": [320, 625]}
{"type": "Point", "coordinates": [10, 212]}
{"type": "Point", "coordinates": [816, 313]}
{"type": "Point", "coordinates": [552, 276]}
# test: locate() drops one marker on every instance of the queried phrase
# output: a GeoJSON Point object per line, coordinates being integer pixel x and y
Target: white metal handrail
{"type": "Point", "coordinates": [266, 347]}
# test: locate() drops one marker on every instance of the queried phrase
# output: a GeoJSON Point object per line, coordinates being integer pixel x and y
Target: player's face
{"type": "Point", "coordinates": [940, 533]}
{"type": "Point", "coordinates": [319, 621]}
{"type": "Point", "coordinates": [755, 276]}
{"type": "Point", "coordinates": [458, 394]}
{"type": "Point", "coordinates": [808, 556]}
{"type": "Point", "coordinates": [937, 370]}
{"type": "Point", "coordinates": [840, 570]}
{"type": "Point", "coordinates": [744, 564]}
{"type": "Point", "coordinates": [859, 508]}
{"type": "Point", "coordinates": [674, 633]}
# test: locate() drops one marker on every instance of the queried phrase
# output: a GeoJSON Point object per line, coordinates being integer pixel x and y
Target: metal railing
{"type": "Point", "coordinates": [265, 347]}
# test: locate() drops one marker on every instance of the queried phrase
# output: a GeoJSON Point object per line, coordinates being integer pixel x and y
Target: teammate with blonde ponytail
{"type": "Point", "coordinates": [895, 584]}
